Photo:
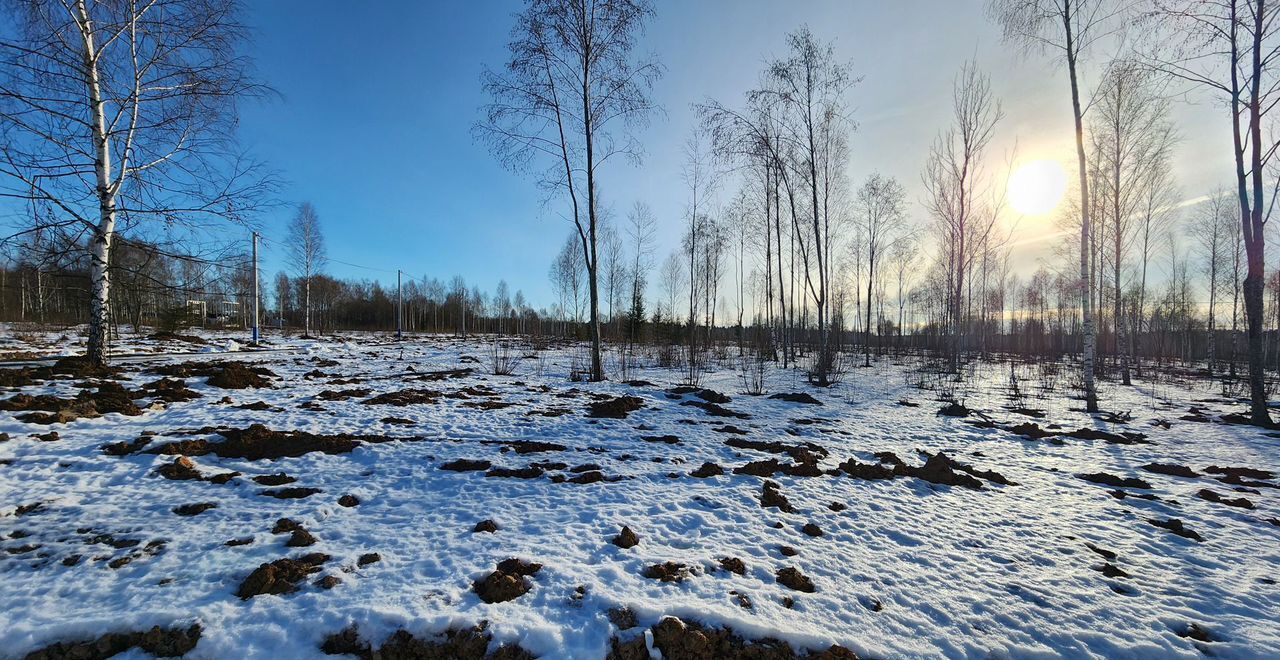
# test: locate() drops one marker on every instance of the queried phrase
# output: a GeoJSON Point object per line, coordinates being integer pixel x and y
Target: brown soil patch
{"type": "Point", "coordinates": [690, 641]}
{"type": "Point", "coordinates": [771, 497]}
{"type": "Point", "coordinates": [1114, 481]}
{"type": "Point", "coordinates": [194, 509]}
{"type": "Point", "coordinates": [407, 397]}
{"type": "Point", "coordinates": [466, 465]}
{"type": "Point", "coordinates": [257, 442]}
{"type": "Point", "coordinates": [508, 582]}
{"type": "Point", "coordinates": [626, 538]}
{"type": "Point", "coordinates": [797, 397]}
{"type": "Point", "coordinates": [280, 576]}
{"type": "Point", "coordinates": [453, 644]}
{"type": "Point", "coordinates": [614, 408]}
{"type": "Point", "coordinates": [707, 469]}
{"type": "Point", "coordinates": [668, 571]}
{"type": "Point", "coordinates": [159, 642]}
{"type": "Point", "coordinates": [1176, 526]}
{"type": "Point", "coordinates": [792, 578]}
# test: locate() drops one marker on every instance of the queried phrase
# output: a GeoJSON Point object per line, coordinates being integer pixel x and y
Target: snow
{"type": "Point", "coordinates": [998, 572]}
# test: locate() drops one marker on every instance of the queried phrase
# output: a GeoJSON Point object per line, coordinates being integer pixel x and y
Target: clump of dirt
{"type": "Point", "coordinates": [689, 641]}
{"type": "Point", "coordinates": [407, 397]}
{"type": "Point", "coordinates": [811, 529]}
{"type": "Point", "coordinates": [368, 558]}
{"type": "Point", "coordinates": [1125, 438]}
{"type": "Point", "coordinates": [485, 526]}
{"type": "Point", "coordinates": [792, 578]}
{"type": "Point", "coordinates": [260, 406]}
{"type": "Point", "coordinates": [806, 452]}
{"type": "Point", "coordinates": [343, 395]}
{"type": "Point", "coordinates": [771, 497]}
{"type": "Point", "coordinates": [169, 390]}
{"type": "Point", "coordinates": [1176, 526]}
{"type": "Point", "coordinates": [1114, 481]}
{"type": "Point", "coordinates": [715, 410]}
{"type": "Point", "coordinates": [257, 442]}
{"type": "Point", "coordinates": [300, 538]}
{"type": "Point", "coordinates": [796, 397]}
{"type": "Point", "coordinates": [247, 540]}
{"type": "Point", "coordinates": [194, 509]}
{"type": "Point", "coordinates": [280, 576]}
{"type": "Point", "coordinates": [508, 582]}
{"type": "Point", "coordinates": [453, 644]}
{"type": "Point", "coordinates": [1171, 470]}
{"type": "Point", "coordinates": [466, 465]}
{"type": "Point", "coordinates": [954, 409]}
{"type": "Point", "coordinates": [527, 446]}
{"type": "Point", "coordinates": [328, 582]}
{"type": "Point", "coordinates": [228, 374]}
{"type": "Point", "coordinates": [707, 469]}
{"type": "Point", "coordinates": [666, 439]}
{"type": "Point", "coordinates": [159, 642]}
{"type": "Point", "coordinates": [1030, 430]}
{"type": "Point", "coordinates": [529, 472]}
{"type": "Point", "coordinates": [733, 565]}
{"type": "Point", "coordinates": [49, 409]}
{"type": "Point", "coordinates": [277, 479]}
{"type": "Point", "coordinates": [626, 538]}
{"type": "Point", "coordinates": [1251, 473]}
{"type": "Point", "coordinates": [349, 501]}
{"type": "Point", "coordinates": [1197, 632]}
{"type": "Point", "coordinates": [614, 408]}
{"type": "Point", "coordinates": [285, 525]}
{"type": "Point", "coordinates": [446, 374]}
{"type": "Point", "coordinates": [868, 471]}
{"type": "Point", "coordinates": [667, 571]}
{"type": "Point", "coordinates": [295, 493]}
{"type": "Point", "coordinates": [181, 469]}
{"type": "Point", "coordinates": [1211, 496]}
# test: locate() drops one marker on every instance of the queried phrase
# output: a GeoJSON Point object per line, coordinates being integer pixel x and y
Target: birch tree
{"type": "Point", "coordinates": [569, 95]}
{"type": "Point", "coordinates": [881, 203]}
{"type": "Point", "coordinates": [117, 115]}
{"type": "Point", "coordinates": [1069, 27]}
{"type": "Point", "coordinates": [1229, 48]}
{"type": "Point", "coordinates": [306, 254]}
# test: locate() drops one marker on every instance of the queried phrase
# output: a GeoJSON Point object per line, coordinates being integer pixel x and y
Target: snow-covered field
{"type": "Point", "coordinates": [1050, 564]}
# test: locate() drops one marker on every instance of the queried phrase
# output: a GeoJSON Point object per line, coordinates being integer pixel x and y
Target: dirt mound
{"type": "Point", "coordinates": [349, 501]}
{"type": "Point", "coordinates": [159, 642]}
{"type": "Point", "coordinates": [667, 571]}
{"type": "Point", "coordinates": [689, 641]}
{"type": "Point", "coordinates": [181, 469]}
{"type": "Point", "coordinates": [666, 439]}
{"type": "Point", "coordinates": [49, 409]}
{"type": "Point", "coordinates": [1251, 473]}
{"type": "Point", "coordinates": [1211, 496]}
{"type": "Point", "coordinates": [529, 472]}
{"type": "Point", "coordinates": [368, 558]}
{"type": "Point", "coordinates": [257, 442]}
{"type": "Point", "coordinates": [733, 565]}
{"type": "Point", "coordinates": [811, 529]}
{"type": "Point", "coordinates": [771, 497]}
{"type": "Point", "coordinates": [1125, 438]}
{"type": "Point", "coordinates": [1114, 481]}
{"type": "Point", "coordinates": [169, 390]}
{"type": "Point", "coordinates": [485, 526]}
{"type": "Point", "coordinates": [708, 469]}
{"type": "Point", "coordinates": [343, 395]}
{"type": "Point", "coordinates": [1171, 470]}
{"type": "Point", "coordinates": [614, 408]}
{"type": "Point", "coordinates": [806, 452]}
{"type": "Point", "coordinates": [796, 397]}
{"type": "Point", "coordinates": [466, 465]}
{"type": "Point", "coordinates": [194, 509]}
{"type": "Point", "coordinates": [228, 374]}
{"type": "Point", "coordinates": [277, 479]}
{"type": "Point", "coordinates": [626, 538]}
{"type": "Point", "coordinates": [715, 410]}
{"type": "Point", "coordinates": [280, 576]}
{"type": "Point", "coordinates": [452, 644]}
{"type": "Point", "coordinates": [295, 493]}
{"type": "Point", "coordinates": [954, 409]}
{"type": "Point", "coordinates": [1029, 430]}
{"type": "Point", "coordinates": [445, 374]}
{"type": "Point", "coordinates": [1176, 526]}
{"type": "Point", "coordinates": [508, 582]}
{"type": "Point", "coordinates": [300, 538]}
{"type": "Point", "coordinates": [792, 578]}
{"type": "Point", "coordinates": [869, 471]}
{"type": "Point", "coordinates": [407, 397]}
{"type": "Point", "coordinates": [527, 446]}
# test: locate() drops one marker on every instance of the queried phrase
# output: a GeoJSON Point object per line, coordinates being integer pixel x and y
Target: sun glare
{"type": "Point", "coordinates": [1037, 187]}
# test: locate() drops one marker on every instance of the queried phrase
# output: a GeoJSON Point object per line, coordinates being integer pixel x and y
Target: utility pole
{"type": "Point", "coordinates": [255, 287]}
{"type": "Point", "coordinates": [399, 307]}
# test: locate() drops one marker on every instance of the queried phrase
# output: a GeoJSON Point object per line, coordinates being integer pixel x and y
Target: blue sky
{"type": "Point", "coordinates": [378, 100]}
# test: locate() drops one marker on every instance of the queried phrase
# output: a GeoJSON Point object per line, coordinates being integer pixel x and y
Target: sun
{"type": "Point", "coordinates": [1037, 187]}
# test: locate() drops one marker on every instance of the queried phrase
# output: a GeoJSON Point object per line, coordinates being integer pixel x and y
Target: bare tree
{"type": "Point", "coordinates": [1071, 27]}
{"type": "Point", "coordinates": [673, 277]}
{"type": "Point", "coordinates": [958, 189]}
{"type": "Point", "coordinates": [571, 77]}
{"type": "Point", "coordinates": [115, 114]}
{"type": "Point", "coordinates": [1228, 47]}
{"type": "Point", "coordinates": [306, 254]}
{"type": "Point", "coordinates": [1211, 232]}
{"type": "Point", "coordinates": [1131, 137]}
{"type": "Point", "coordinates": [881, 203]}
{"type": "Point", "coordinates": [809, 86]}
